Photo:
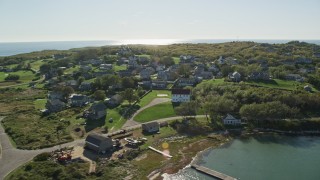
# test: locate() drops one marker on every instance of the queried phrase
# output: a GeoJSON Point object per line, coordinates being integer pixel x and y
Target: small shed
{"type": "Point", "coordinates": [151, 127]}
{"type": "Point", "coordinates": [98, 143]}
{"type": "Point", "coordinates": [230, 120]}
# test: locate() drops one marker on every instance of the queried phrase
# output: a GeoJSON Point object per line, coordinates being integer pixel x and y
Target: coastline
{"type": "Point", "coordinates": [196, 149]}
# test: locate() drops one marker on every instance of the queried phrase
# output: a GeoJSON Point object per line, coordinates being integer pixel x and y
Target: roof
{"type": "Point", "coordinates": [98, 106]}
{"type": "Point", "coordinates": [78, 97]}
{"type": "Point", "coordinates": [150, 124]}
{"type": "Point", "coordinates": [96, 139]}
{"type": "Point", "coordinates": [181, 91]}
{"type": "Point", "coordinates": [229, 117]}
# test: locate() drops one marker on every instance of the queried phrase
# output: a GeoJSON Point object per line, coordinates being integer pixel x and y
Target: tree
{"type": "Point", "coordinates": [128, 82]}
{"type": "Point", "coordinates": [80, 79]}
{"type": "Point", "coordinates": [187, 109]}
{"type": "Point", "coordinates": [167, 61]}
{"type": "Point", "coordinates": [60, 72]}
{"type": "Point", "coordinates": [130, 95]}
{"type": "Point", "coordinates": [45, 68]}
{"type": "Point", "coordinates": [99, 95]}
{"type": "Point", "coordinates": [184, 70]}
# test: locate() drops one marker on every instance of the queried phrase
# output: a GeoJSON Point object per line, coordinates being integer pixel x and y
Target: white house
{"type": "Point", "coordinates": [230, 120]}
{"type": "Point", "coordinates": [181, 95]}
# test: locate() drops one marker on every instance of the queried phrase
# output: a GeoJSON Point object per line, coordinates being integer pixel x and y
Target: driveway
{"type": "Point", "coordinates": [130, 122]}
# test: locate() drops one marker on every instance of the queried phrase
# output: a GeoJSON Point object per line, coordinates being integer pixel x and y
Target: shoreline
{"type": "Point", "coordinates": [185, 162]}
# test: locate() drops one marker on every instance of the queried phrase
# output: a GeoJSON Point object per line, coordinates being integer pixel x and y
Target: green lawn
{"type": "Point", "coordinates": [72, 69]}
{"type": "Point", "coordinates": [118, 121]}
{"type": "Point", "coordinates": [40, 104]}
{"type": "Point", "coordinates": [152, 95]}
{"type": "Point", "coordinates": [176, 60]}
{"type": "Point", "coordinates": [3, 75]}
{"type": "Point", "coordinates": [212, 81]}
{"type": "Point", "coordinates": [159, 111]}
{"type": "Point", "coordinates": [119, 68]}
{"type": "Point", "coordinates": [144, 55]}
{"type": "Point", "coordinates": [36, 64]}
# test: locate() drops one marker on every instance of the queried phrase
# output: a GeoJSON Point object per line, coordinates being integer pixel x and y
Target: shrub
{"type": "Point", "coordinates": [42, 157]}
{"type": "Point", "coordinates": [12, 77]}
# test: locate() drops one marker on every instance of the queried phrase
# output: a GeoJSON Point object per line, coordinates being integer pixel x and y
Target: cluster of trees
{"type": "Point", "coordinates": [254, 103]}
{"type": "Point", "coordinates": [12, 77]}
{"type": "Point", "coordinates": [107, 81]}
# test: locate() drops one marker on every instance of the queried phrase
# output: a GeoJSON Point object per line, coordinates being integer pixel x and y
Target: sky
{"type": "Point", "coordinates": [69, 20]}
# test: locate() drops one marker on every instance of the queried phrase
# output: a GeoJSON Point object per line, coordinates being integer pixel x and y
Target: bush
{"type": "Point", "coordinates": [42, 157]}
{"type": "Point", "coordinates": [12, 77]}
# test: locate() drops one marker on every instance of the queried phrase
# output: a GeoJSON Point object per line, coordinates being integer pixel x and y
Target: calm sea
{"type": "Point", "coordinates": [261, 158]}
{"type": "Point", "coordinates": [8, 49]}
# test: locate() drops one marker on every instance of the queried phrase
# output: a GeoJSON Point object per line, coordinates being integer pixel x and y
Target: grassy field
{"type": "Point", "coordinates": [152, 95]}
{"type": "Point", "coordinates": [176, 60]}
{"type": "Point", "coordinates": [25, 76]}
{"type": "Point", "coordinates": [212, 81]}
{"type": "Point", "coordinates": [72, 69]}
{"type": "Point", "coordinates": [119, 68]}
{"type": "Point", "coordinates": [40, 104]}
{"type": "Point", "coordinates": [159, 111]}
{"type": "Point", "coordinates": [277, 83]}
{"type": "Point", "coordinates": [36, 64]}
{"type": "Point", "coordinates": [118, 121]}
{"type": "Point", "coordinates": [48, 169]}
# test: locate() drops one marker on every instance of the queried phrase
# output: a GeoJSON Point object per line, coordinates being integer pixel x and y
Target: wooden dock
{"type": "Point", "coordinates": [158, 151]}
{"type": "Point", "coordinates": [212, 173]}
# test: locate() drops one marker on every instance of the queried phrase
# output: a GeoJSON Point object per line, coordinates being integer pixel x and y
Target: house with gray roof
{"type": "Point", "coordinates": [151, 127]}
{"type": "Point", "coordinates": [96, 111]}
{"type": "Point", "coordinates": [98, 143]}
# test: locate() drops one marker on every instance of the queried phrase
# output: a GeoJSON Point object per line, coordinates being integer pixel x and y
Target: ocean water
{"type": "Point", "coordinates": [267, 157]}
{"type": "Point", "coordinates": [8, 49]}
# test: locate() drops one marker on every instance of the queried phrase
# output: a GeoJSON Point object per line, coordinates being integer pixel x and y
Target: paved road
{"type": "Point", "coordinates": [130, 122]}
{"type": "Point", "coordinates": [11, 158]}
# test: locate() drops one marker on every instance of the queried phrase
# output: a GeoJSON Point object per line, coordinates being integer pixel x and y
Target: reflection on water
{"type": "Point", "coordinates": [261, 157]}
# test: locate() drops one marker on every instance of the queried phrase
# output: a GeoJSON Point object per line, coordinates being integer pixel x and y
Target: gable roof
{"type": "Point", "coordinates": [150, 124]}
{"type": "Point", "coordinates": [98, 107]}
{"type": "Point", "coordinates": [229, 117]}
{"type": "Point", "coordinates": [181, 91]}
{"type": "Point", "coordinates": [96, 139]}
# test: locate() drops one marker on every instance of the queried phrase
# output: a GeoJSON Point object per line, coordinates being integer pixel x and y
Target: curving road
{"type": "Point", "coordinates": [11, 158]}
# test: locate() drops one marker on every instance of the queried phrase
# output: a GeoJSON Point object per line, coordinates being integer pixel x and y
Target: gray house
{"type": "Point", "coordinates": [151, 127]}
{"type": "Point", "coordinates": [96, 111]}
{"type": "Point", "coordinates": [55, 105]}
{"type": "Point", "coordinates": [78, 100]}
{"type": "Point", "coordinates": [235, 77]}
{"type": "Point", "coordinates": [98, 143]}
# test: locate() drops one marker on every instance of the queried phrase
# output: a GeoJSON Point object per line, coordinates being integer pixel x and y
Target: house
{"type": "Point", "coordinates": [145, 84]}
{"type": "Point", "coordinates": [146, 73]}
{"type": "Point", "coordinates": [230, 120]}
{"type": "Point", "coordinates": [122, 60]}
{"type": "Point", "coordinates": [115, 100]}
{"type": "Point", "coordinates": [307, 88]}
{"type": "Point", "coordinates": [105, 67]}
{"type": "Point", "coordinates": [72, 83]}
{"type": "Point", "coordinates": [85, 68]}
{"type": "Point", "coordinates": [160, 67]}
{"type": "Point", "coordinates": [259, 76]}
{"type": "Point", "coordinates": [57, 56]}
{"type": "Point", "coordinates": [294, 77]}
{"type": "Point", "coordinates": [96, 111]}
{"type": "Point", "coordinates": [317, 55]}
{"type": "Point", "coordinates": [235, 76]}
{"type": "Point", "coordinates": [55, 95]}
{"type": "Point", "coordinates": [182, 82]}
{"type": "Point", "coordinates": [206, 75]}
{"type": "Point", "coordinates": [221, 60]}
{"type": "Point", "coordinates": [78, 100]}
{"type": "Point", "coordinates": [213, 68]}
{"type": "Point", "coordinates": [85, 86]}
{"type": "Point", "coordinates": [98, 143]}
{"type": "Point", "coordinates": [186, 59]}
{"type": "Point", "coordinates": [95, 62]}
{"type": "Point", "coordinates": [150, 127]}
{"type": "Point", "coordinates": [156, 84]}
{"type": "Point", "coordinates": [55, 105]}
{"type": "Point", "coordinates": [181, 95]}
{"type": "Point", "coordinates": [231, 61]}
{"type": "Point", "coordinates": [125, 73]}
